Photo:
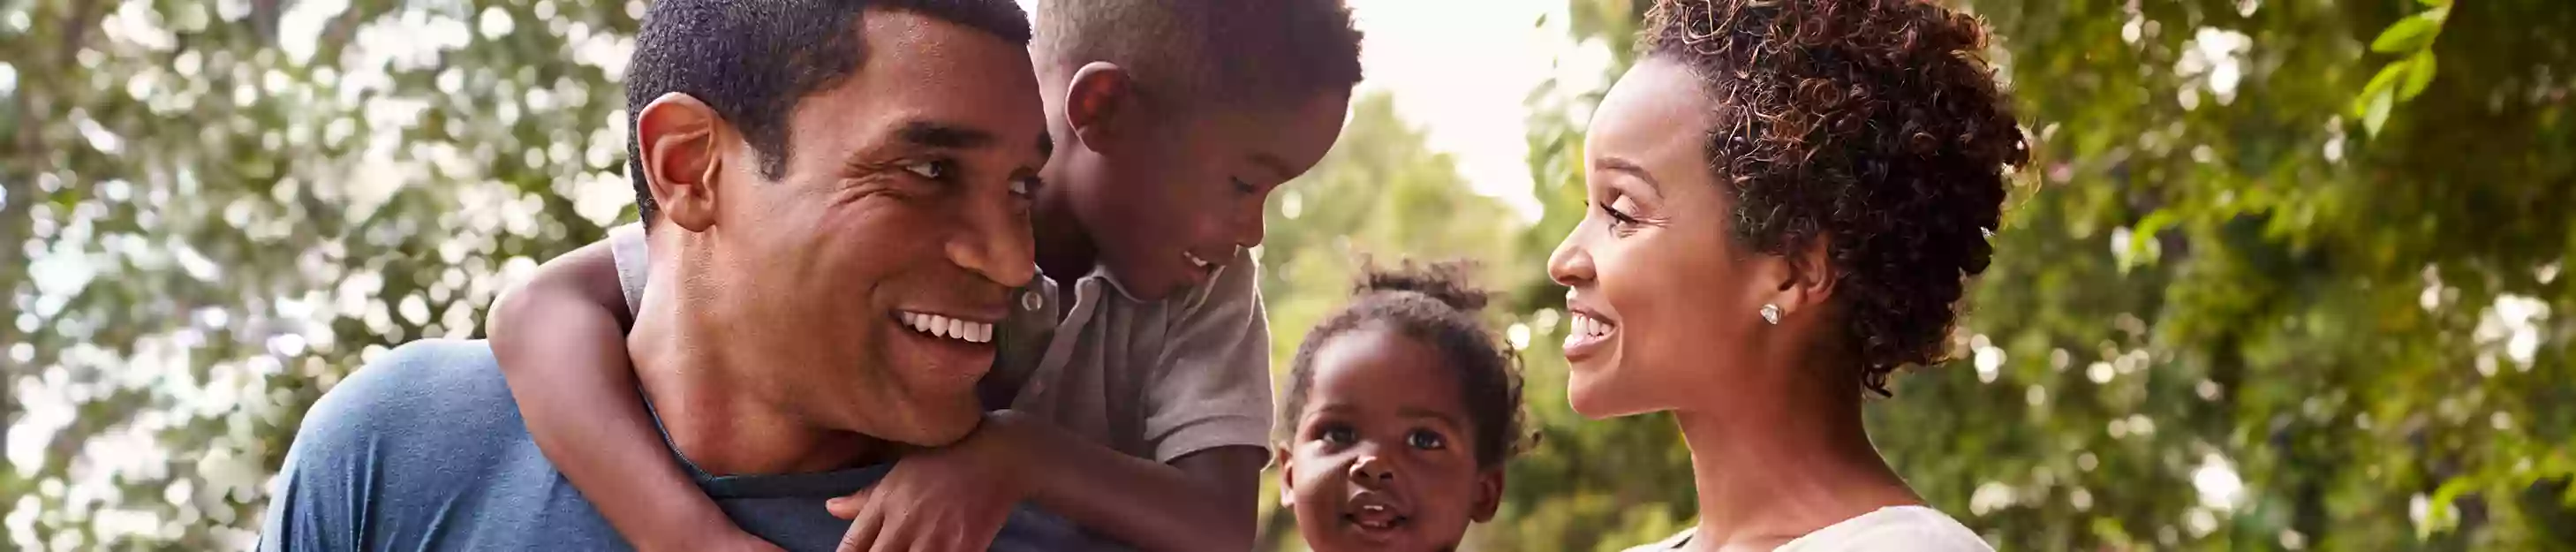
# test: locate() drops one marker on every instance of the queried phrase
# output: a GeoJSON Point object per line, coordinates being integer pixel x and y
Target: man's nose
{"type": "Point", "coordinates": [994, 241]}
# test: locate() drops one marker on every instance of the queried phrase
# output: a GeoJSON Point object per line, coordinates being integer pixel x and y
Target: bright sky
{"type": "Point", "coordinates": [1460, 68]}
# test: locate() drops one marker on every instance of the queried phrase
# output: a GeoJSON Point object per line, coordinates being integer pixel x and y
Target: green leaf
{"type": "Point", "coordinates": [2375, 112]}
{"type": "Point", "coordinates": [2407, 35]}
{"type": "Point", "coordinates": [2385, 80]}
{"type": "Point", "coordinates": [2419, 74]}
{"type": "Point", "coordinates": [2436, 3]}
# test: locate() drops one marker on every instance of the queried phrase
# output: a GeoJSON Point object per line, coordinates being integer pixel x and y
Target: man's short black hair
{"type": "Point", "coordinates": [752, 60]}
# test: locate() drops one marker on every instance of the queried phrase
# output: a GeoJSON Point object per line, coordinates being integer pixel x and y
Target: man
{"type": "Point", "coordinates": [823, 178]}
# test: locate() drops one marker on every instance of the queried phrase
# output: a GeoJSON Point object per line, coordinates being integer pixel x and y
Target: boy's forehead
{"type": "Point", "coordinates": [1282, 139]}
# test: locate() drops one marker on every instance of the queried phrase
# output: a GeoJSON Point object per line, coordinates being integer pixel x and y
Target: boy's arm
{"type": "Point", "coordinates": [1207, 420]}
{"type": "Point", "coordinates": [1204, 500]}
{"type": "Point", "coordinates": [1207, 411]}
{"type": "Point", "coordinates": [561, 342]}
{"type": "Point", "coordinates": [956, 497]}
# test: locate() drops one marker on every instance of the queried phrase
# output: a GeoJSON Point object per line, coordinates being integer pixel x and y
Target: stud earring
{"type": "Point", "coordinates": [1771, 314]}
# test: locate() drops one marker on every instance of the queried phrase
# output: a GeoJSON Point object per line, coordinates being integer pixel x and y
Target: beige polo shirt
{"type": "Point", "coordinates": [1152, 379]}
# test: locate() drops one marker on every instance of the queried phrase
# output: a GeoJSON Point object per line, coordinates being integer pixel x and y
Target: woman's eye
{"type": "Point", "coordinates": [933, 170]}
{"type": "Point", "coordinates": [1426, 440]}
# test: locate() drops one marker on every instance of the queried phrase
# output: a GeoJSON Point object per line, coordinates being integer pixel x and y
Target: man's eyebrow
{"type": "Point", "coordinates": [943, 135]}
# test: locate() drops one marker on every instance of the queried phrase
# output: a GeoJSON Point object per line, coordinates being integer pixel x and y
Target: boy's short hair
{"type": "Point", "coordinates": [753, 61]}
{"type": "Point", "coordinates": [1247, 52]}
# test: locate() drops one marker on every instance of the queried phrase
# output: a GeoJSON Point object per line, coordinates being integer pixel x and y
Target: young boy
{"type": "Point", "coordinates": [1134, 371]}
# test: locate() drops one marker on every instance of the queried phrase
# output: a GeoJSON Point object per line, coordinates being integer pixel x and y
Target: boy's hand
{"type": "Point", "coordinates": [950, 499]}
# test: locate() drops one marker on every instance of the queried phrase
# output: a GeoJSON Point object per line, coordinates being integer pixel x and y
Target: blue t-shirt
{"type": "Point", "coordinates": [423, 449]}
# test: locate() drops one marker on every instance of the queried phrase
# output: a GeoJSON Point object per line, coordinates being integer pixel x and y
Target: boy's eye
{"type": "Point", "coordinates": [934, 170]}
{"type": "Point", "coordinates": [1426, 440]}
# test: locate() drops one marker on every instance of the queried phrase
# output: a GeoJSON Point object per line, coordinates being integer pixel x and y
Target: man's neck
{"type": "Point", "coordinates": [1769, 471]}
{"type": "Point", "coordinates": [719, 424]}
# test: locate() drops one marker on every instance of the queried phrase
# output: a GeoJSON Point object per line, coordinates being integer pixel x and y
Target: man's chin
{"type": "Point", "coordinates": [933, 429]}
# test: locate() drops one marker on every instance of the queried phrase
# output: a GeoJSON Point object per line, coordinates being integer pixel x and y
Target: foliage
{"type": "Point", "coordinates": [2239, 305]}
{"type": "Point", "coordinates": [2234, 310]}
{"type": "Point", "coordinates": [225, 205]}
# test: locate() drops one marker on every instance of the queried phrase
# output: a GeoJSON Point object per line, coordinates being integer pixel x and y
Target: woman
{"type": "Point", "coordinates": [1786, 197]}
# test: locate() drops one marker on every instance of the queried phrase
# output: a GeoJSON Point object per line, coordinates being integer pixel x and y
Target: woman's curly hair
{"type": "Point", "coordinates": [1436, 303]}
{"type": "Point", "coordinates": [1875, 125]}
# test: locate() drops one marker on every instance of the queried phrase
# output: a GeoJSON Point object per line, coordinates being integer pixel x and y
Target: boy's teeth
{"type": "Point", "coordinates": [951, 328]}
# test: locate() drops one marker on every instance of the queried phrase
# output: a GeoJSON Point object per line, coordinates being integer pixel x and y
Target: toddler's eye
{"type": "Point", "coordinates": [1426, 440]}
{"type": "Point", "coordinates": [1340, 435]}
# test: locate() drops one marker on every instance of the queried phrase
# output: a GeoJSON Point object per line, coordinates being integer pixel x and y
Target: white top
{"type": "Point", "coordinates": [1895, 528]}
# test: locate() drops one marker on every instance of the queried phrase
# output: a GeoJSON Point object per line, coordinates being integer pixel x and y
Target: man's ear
{"type": "Point", "coordinates": [1098, 102]}
{"type": "Point", "coordinates": [1489, 494]}
{"type": "Point", "coordinates": [1287, 474]}
{"type": "Point", "coordinates": [678, 135]}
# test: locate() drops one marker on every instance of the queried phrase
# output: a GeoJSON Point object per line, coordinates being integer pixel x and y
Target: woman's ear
{"type": "Point", "coordinates": [677, 138]}
{"type": "Point", "coordinates": [1100, 98]}
{"type": "Point", "coordinates": [1808, 281]}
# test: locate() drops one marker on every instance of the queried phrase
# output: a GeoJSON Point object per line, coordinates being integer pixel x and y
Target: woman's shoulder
{"type": "Point", "coordinates": [1674, 542]}
{"type": "Point", "coordinates": [1903, 528]}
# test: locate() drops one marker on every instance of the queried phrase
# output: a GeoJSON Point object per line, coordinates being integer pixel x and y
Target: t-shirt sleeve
{"type": "Point", "coordinates": [311, 508]}
{"type": "Point", "coordinates": [339, 490]}
{"type": "Point", "coordinates": [627, 246]}
{"type": "Point", "coordinates": [321, 499]}
{"type": "Point", "coordinates": [1211, 388]}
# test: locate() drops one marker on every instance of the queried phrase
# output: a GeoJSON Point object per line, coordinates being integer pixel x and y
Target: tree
{"type": "Point", "coordinates": [214, 210]}
{"type": "Point", "coordinates": [2250, 300]}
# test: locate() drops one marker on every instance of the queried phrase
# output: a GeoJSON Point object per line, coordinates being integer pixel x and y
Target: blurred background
{"type": "Point", "coordinates": [2287, 274]}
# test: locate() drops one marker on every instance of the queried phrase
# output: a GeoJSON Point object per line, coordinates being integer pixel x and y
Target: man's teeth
{"type": "Point", "coordinates": [941, 326]}
{"type": "Point", "coordinates": [1194, 259]}
{"type": "Point", "coordinates": [1592, 327]}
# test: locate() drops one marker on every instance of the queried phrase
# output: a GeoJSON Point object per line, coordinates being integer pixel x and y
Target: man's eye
{"type": "Point", "coordinates": [1426, 440]}
{"type": "Point", "coordinates": [933, 170]}
{"type": "Point", "coordinates": [1242, 187]}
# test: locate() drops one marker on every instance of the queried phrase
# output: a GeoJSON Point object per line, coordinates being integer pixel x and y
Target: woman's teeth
{"type": "Point", "coordinates": [951, 328]}
{"type": "Point", "coordinates": [1586, 326]}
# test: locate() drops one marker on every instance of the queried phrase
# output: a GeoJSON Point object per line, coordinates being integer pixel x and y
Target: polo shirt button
{"type": "Point", "coordinates": [1031, 301]}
